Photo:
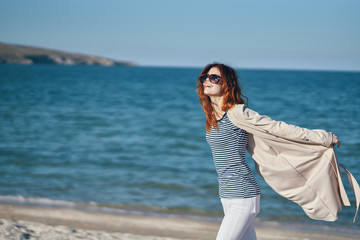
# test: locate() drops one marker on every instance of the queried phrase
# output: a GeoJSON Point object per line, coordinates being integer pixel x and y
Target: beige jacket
{"type": "Point", "coordinates": [297, 163]}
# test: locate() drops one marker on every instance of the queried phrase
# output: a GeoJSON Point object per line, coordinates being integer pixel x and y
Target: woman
{"type": "Point", "coordinates": [223, 103]}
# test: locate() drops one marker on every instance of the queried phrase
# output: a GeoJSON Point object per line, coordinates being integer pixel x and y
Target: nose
{"type": "Point", "coordinates": [207, 80]}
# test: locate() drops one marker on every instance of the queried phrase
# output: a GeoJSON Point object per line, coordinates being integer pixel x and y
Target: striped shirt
{"type": "Point", "coordinates": [228, 146]}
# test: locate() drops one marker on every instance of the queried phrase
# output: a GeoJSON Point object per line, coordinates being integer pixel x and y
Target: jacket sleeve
{"type": "Point", "coordinates": [288, 131]}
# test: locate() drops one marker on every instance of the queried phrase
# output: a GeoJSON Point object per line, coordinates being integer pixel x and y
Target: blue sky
{"type": "Point", "coordinates": [286, 34]}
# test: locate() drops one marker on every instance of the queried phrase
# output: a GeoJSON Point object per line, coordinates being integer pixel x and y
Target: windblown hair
{"type": "Point", "coordinates": [230, 89]}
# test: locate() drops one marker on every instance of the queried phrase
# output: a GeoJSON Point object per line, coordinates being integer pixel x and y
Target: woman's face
{"type": "Point", "coordinates": [212, 89]}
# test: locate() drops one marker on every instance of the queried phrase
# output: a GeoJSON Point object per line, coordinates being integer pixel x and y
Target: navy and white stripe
{"type": "Point", "coordinates": [228, 146]}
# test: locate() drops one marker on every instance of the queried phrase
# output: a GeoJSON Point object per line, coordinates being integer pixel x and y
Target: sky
{"type": "Point", "coordinates": [256, 34]}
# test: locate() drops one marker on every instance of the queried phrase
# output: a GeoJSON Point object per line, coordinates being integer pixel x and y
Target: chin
{"type": "Point", "coordinates": [207, 93]}
{"type": "Point", "coordinates": [210, 94]}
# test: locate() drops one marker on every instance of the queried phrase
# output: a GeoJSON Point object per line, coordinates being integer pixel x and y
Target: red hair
{"type": "Point", "coordinates": [231, 92]}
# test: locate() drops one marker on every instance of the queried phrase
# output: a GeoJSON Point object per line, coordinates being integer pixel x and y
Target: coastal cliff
{"type": "Point", "coordinates": [18, 54]}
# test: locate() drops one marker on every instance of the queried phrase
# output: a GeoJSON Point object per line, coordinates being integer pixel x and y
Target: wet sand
{"type": "Point", "coordinates": [34, 222]}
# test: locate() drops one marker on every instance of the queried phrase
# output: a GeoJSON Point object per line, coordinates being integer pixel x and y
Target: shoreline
{"type": "Point", "coordinates": [77, 223]}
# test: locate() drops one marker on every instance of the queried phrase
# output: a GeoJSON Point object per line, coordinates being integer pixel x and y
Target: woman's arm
{"type": "Point", "coordinates": [289, 131]}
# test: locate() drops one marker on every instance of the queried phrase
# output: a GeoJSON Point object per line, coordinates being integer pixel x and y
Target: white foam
{"type": "Point", "coordinates": [36, 201]}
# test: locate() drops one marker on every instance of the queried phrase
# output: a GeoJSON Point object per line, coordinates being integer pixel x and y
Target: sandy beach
{"type": "Point", "coordinates": [34, 222]}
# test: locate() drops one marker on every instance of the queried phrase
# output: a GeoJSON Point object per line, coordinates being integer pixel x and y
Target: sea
{"type": "Point", "coordinates": [132, 139]}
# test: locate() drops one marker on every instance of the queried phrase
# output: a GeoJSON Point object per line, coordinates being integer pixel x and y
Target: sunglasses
{"type": "Point", "coordinates": [213, 78]}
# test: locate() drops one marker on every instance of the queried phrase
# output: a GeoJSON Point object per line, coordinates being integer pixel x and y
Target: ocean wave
{"type": "Point", "coordinates": [37, 201]}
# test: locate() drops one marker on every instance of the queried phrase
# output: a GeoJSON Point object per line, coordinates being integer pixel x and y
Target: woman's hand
{"type": "Point", "coordinates": [335, 140]}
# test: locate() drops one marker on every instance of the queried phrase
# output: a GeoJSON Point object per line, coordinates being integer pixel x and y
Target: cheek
{"type": "Point", "coordinates": [218, 89]}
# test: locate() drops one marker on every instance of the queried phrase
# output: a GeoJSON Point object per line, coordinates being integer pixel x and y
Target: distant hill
{"type": "Point", "coordinates": [10, 53]}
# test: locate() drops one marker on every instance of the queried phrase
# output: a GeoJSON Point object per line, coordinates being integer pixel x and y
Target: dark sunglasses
{"type": "Point", "coordinates": [213, 78]}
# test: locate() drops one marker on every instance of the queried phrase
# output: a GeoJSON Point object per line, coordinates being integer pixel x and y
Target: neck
{"type": "Point", "coordinates": [216, 102]}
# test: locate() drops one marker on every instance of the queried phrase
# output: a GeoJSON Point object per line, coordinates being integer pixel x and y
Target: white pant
{"type": "Point", "coordinates": [238, 222]}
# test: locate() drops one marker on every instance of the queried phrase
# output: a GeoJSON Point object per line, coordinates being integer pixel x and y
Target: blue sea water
{"type": "Point", "coordinates": [134, 137]}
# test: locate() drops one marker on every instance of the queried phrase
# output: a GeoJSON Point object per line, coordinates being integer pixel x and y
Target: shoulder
{"type": "Point", "coordinates": [237, 108]}
{"type": "Point", "coordinates": [240, 111]}
{"type": "Point", "coordinates": [236, 113]}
